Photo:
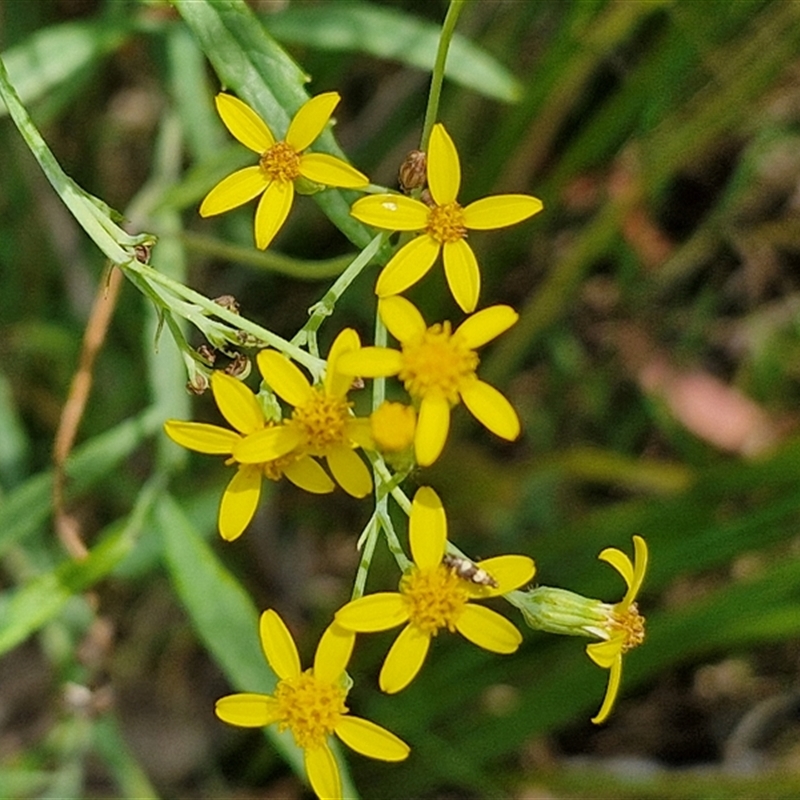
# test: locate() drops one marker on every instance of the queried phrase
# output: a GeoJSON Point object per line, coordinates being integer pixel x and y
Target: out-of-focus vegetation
{"type": "Point", "coordinates": [656, 368]}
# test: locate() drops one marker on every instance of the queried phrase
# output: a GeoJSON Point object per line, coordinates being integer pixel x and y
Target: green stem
{"type": "Point", "coordinates": [432, 111]}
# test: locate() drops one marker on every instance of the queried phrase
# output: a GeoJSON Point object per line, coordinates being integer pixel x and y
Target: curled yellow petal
{"type": "Point", "coordinates": [244, 123]}
{"type": "Point", "coordinates": [272, 210]}
{"type": "Point", "coordinates": [278, 645]}
{"type": "Point", "coordinates": [488, 629]}
{"type": "Point", "coordinates": [407, 266]}
{"type": "Point", "coordinates": [462, 273]}
{"type": "Point", "coordinates": [404, 659]}
{"type": "Point", "coordinates": [331, 171]}
{"type": "Point", "coordinates": [237, 403]}
{"type": "Point", "coordinates": [202, 437]}
{"type": "Point", "coordinates": [500, 211]}
{"type": "Point", "coordinates": [310, 119]}
{"type": "Point", "coordinates": [444, 169]}
{"type": "Point", "coordinates": [371, 740]}
{"type": "Point", "coordinates": [239, 502]}
{"type": "Point", "coordinates": [612, 690]}
{"type": "Point", "coordinates": [491, 409]}
{"type": "Point", "coordinates": [427, 528]}
{"type": "Point", "coordinates": [233, 191]}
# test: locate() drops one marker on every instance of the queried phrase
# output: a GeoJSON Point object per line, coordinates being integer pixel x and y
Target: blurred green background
{"type": "Point", "coordinates": [656, 367]}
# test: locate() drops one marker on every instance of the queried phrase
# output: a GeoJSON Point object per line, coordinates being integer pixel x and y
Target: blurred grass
{"type": "Point", "coordinates": [662, 137]}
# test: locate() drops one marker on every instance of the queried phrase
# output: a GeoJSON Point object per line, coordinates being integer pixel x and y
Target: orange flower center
{"type": "Point", "coordinates": [446, 223]}
{"type": "Point", "coordinates": [280, 163]}
{"type": "Point", "coordinates": [434, 597]}
{"type": "Point", "coordinates": [323, 420]}
{"type": "Point", "coordinates": [310, 708]}
{"type": "Point", "coordinates": [631, 623]}
{"type": "Point", "coordinates": [437, 361]}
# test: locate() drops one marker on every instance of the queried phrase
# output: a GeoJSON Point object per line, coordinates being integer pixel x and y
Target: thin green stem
{"type": "Point", "coordinates": [437, 77]}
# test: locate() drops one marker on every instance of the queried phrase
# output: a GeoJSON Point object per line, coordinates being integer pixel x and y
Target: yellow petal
{"type": "Point", "coordinates": [500, 211]}
{"type": "Point", "coordinates": [233, 191]}
{"type": "Point", "coordinates": [239, 502]}
{"type": "Point", "coordinates": [371, 362]}
{"type": "Point", "coordinates": [444, 170]}
{"type": "Point", "coordinates": [620, 562]}
{"type": "Point", "coordinates": [410, 263]}
{"type": "Point", "coordinates": [201, 437]}
{"type": "Point", "coordinates": [612, 689]}
{"type": "Point", "coordinates": [338, 384]}
{"type": "Point", "coordinates": [462, 273]}
{"type": "Point", "coordinates": [284, 377]}
{"type": "Point", "coordinates": [373, 612]}
{"type": "Point", "coordinates": [394, 212]}
{"type": "Point", "coordinates": [488, 629]}
{"type": "Point", "coordinates": [349, 470]}
{"type": "Point", "coordinates": [639, 569]}
{"type": "Point", "coordinates": [308, 475]}
{"type": "Point", "coordinates": [267, 444]}
{"type": "Point", "coordinates": [491, 409]}
{"type": "Point", "coordinates": [244, 123]}
{"type": "Point", "coordinates": [487, 324]}
{"type": "Point", "coordinates": [333, 652]}
{"type": "Point", "coordinates": [278, 645]}
{"type": "Point", "coordinates": [237, 403]}
{"type": "Point", "coordinates": [272, 210]}
{"type": "Point", "coordinates": [509, 571]}
{"type": "Point", "coordinates": [310, 119]}
{"type": "Point", "coordinates": [604, 654]}
{"type": "Point", "coordinates": [247, 710]}
{"type": "Point", "coordinates": [401, 318]}
{"type": "Point", "coordinates": [331, 171]}
{"type": "Point", "coordinates": [432, 427]}
{"type": "Point", "coordinates": [371, 740]}
{"type": "Point", "coordinates": [427, 529]}
{"type": "Point", "coordinates": [404, 659]}
{"type": "Point", "coordinates": [323, 773]}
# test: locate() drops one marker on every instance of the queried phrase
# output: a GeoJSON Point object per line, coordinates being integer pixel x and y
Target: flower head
{"type": "Point", "coordinates": [311, 704]}
{"type": "Point", "coordinates": [443, 225]}
{"type": "Point", "coordinates": [437, 365]}
{"type": "Point", "coordinates": [624, 628]}
{"type": "Point", "coordinates": [241, 409]}
{"type": "Point", "coordinates": [280, 163]}
{"type": "Point", "coordinates": [321, 424]}
{"type": "Point", "coordinates": [433, 596]}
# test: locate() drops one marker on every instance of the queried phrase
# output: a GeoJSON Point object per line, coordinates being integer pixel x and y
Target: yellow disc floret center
{"type": "Point", "coordinates": [434, 597]}
{"type": "Point", "coordinates": [310, 708]}
{"type": "Point", "coordinates": [323, 419]}
{"type": "Point", "coordinates": [446, 223]}
{"type": "Point", "coordinates": [631, 622]}
{"type": "Point", "coordinates": [437, 361]}
{"type": "Point", "coordinates": [281, 162]}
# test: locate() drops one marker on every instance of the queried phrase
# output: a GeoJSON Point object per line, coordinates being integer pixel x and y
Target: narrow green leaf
{"type": "Point", "coordinates": [392, 34]}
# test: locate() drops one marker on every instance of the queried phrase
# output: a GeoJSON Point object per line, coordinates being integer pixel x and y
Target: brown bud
{"type": "Point", "coordinates": [413, 171]}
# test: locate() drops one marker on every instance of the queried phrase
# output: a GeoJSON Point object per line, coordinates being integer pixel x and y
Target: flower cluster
{"type": "Point", "coordinates": [307, 430]}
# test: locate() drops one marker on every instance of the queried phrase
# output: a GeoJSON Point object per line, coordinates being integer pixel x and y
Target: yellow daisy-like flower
{"type": "Point", "coordinates": [444, 225]}
{"type": "Point", "coordinates": [437, 366]}
{"type": "Point", "coordinates": [241, 409]}
{"type": "Point", "coordinates": [280, 163]}
{"type": "Point", "coordinates": [311, 704]}
{"type": "Point", "coordinates": [433, 596]}
{"type": "Point", "coordinates": [624, 629]}
{"type": "Point", "coordinates": [321, 425]}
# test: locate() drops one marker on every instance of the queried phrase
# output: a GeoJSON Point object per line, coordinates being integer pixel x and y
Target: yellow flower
{"type": "Point", "coordinates": [280, 164]}
{"type": "Point", "coordinates": [432, 596]}
{"type": "Point", "coordinates": [437, 366]}
{"type": "Point", "coordinates": [321, 425]}
{"type": "Point", "coordinates": [311, 704]}
{"type": "Point", "coordinates": [624, 628]}
{"type": "Point", "coordinates": [444, 225]}
{"type": "Point", "coordinates": [241, 409]}
{"type": "Point", "coordinates": [393, 426]}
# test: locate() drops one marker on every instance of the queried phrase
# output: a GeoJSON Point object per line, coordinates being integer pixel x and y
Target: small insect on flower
{"type": "Point", "coordinates": [468, 571]}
